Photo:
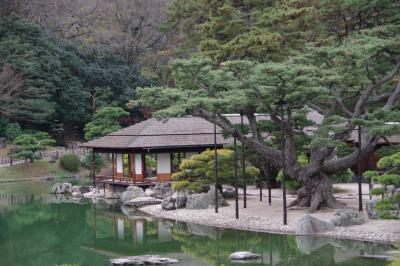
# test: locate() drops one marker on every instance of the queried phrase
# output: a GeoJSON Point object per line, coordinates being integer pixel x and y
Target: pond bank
{"type": "Point", "coordinates": [258, 216]}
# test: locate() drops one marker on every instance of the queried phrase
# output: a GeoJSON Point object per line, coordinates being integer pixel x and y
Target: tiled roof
{"type": "Point", "coordinates": [188, 131]}
{"type": "Point", "coordinates": [173, 132]}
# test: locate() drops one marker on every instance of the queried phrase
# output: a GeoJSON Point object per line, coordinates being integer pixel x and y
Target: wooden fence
{"type": "Point", "coordinates": [6, 160]}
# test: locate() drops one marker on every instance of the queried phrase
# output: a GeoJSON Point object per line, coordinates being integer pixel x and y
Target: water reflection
{"type": "Point", "coordinates": [38, 231]}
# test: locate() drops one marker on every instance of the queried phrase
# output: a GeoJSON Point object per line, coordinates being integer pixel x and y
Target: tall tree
{"type": "Point", "coordinates": [351, 83]}
{"type": "Point", "coordinates": [105, 122]}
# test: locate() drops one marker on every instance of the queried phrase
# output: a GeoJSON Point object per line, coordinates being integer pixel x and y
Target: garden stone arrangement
{"type": "Point", "coordinates": [346, 217]}
{"type": "Point", "coordinates": [309, 225]}
{"type": "Point", "coordinates": [194, 201]}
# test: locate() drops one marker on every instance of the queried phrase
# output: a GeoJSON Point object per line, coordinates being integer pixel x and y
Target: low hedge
{"type": "Point", "coordinates": [70, 162]}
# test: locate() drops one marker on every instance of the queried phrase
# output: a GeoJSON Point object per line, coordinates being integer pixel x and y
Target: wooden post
{"type": "Point", "coordinates": [216, 168]}
{"type": "Point", "coordinates": [360, 205]}
{"type": "Point", "coordinates": [94, 168]}
{"type": "Point", "coordinates": [113, 166]}
{"type": "Point", "coordinates": [281, 102]}
{"type": "Point", "coordinates": [236, 177]}
{"type": "Point", "coordinates": [243, 166]}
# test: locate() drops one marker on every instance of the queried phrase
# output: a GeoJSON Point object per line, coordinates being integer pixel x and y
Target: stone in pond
{"type": "Point", "coordinates": [244, 255]}
{"type": "Point", "coordinates": [309, 225]}
{"type": "Point", "coordinates": [168, 203]}
{"type": "Point", "coordinates": [142, 201]}
{"type": "Point", "coordinates": [143, 260]}
{"type": "Point", "coordinates": [61, 188]}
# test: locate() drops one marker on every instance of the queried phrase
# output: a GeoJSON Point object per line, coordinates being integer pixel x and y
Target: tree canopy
{"type": "Point", "coordinates": [338, 81]}
{"type": "Point", "coordinates": [51, 84]}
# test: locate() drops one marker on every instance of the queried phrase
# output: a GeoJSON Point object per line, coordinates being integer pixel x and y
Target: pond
{"type": "Point", "coordinates": [40, 231]}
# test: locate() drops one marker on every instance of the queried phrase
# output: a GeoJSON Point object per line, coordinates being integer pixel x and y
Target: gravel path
{"type": "Point", "coordinates": [226, 219]}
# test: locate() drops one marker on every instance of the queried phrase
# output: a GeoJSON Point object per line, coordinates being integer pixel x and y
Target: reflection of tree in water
{"type": "Point", "coordinates": [201, 242]}
{"type": "Point", "coordinates": [38, 235]}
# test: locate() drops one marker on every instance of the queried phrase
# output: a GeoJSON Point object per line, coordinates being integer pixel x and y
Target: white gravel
{"type": "Point", "coordinates": [226, 219]}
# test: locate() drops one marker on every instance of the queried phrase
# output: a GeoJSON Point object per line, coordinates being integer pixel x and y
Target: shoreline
{"type": "Point", "coordinates": [226, 219]}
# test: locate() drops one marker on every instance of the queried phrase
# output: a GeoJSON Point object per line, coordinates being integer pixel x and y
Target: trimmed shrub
{"type": "Point", "coordinates": [70, 162]}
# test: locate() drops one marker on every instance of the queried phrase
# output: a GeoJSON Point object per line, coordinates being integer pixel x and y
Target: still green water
{"type": "Point", "coordinates": [39, 232]}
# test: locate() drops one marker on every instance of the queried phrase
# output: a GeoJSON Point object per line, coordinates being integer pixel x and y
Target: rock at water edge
{"type": "Point", "coordinates": [309, 225]}
{"type": "Point", "coordinates": [142, 201]}
{"type": "Point", "coordinates": [131, 193]}
{"type": "Point", "coordinates": [168, 203]}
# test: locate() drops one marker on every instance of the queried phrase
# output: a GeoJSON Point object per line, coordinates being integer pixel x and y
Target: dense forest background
{"type": "Point", "coordinates": [61, 61]}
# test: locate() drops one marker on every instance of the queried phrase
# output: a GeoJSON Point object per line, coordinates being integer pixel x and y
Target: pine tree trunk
{"type": "Point", "coordinates": [316, 193]}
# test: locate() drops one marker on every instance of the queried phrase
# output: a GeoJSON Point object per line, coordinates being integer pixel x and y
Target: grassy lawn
{"type": "Point", "coordinates": [33, 170]}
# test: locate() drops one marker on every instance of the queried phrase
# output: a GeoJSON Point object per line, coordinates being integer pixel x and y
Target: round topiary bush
{"type": "Point", "coordinates": [70, 162]}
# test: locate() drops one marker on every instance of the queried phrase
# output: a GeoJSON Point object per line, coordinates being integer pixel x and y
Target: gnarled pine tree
{"type": "Point", "coordinates": [351, 83]}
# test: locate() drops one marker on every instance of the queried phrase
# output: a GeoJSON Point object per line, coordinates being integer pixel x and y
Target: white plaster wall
{"type": "Point", "coordinates": [120, 228]}
{"type": "Point", "coordinates": [190, 154]}
{"type": "Point", "coordinates": [139, 232]}
{"type": "Point", "coordinates": [120, 163]}
{"type": "Point", "coordinates": [163, 163]}
{"type": "Point", "coordinates": [138, 164]}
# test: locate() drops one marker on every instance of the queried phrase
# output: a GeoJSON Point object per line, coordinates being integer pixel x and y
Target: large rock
{"type": "Point", "coordinates": [309, 225]}
{"type": "Point", "coordinates": [181, 200]}
{"type": "Point", "coordinates": [67, 187]}
{"type": "Point", "coordinates": [76, 194]}
{"type": "Point", "coordinates": [162, 190]}
{"type": "Point", "coordinates": [76, 189]}
{"type": "Point", "coordinates": [372, 213]}
{"type": "Point", "coordinates": [168, 203]}
{"type": "Point", "coordinates": [142, 260]}
{"type": "Point", "coordinates": [61, 188]}
{"type": "Point", "coordinates": [197, 201]}
{"type": "Point", "coordinates": [142, 201]}
{"type": "Point", "coordinates": [229, 193]}
{"type": "Point", "coordinates": [244, 255]}
{"type": "Point", "coordinates": [149, 192]}
{"type": "Point", "coordinates": [95, 193]}
{"type": "Point", "coordinates": [211, 198]}
{"type": "Point", "coordinates": [345, 217]}
{"type": "Point", "coordinates": [131, 193]}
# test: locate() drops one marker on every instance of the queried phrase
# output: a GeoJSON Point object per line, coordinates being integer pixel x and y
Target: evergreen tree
{"type": "Point", "coordinates": [349, 83]}
{"type": "Point", "coordinates": [29, 144]}
{"type": "Point", "coordinates": [105, 122]}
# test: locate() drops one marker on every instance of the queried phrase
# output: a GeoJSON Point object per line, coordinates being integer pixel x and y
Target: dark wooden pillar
{"type": "Point", "coordinates": [94, 167]}
{"type": "Point", "coordinates": [113, 166]}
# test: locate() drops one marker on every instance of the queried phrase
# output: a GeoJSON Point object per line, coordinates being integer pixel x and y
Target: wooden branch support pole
{"type": "Point", "coordinates": [243, 166]}
{"type": "Point", "coordinates": [269, 178]}
{"type": "Point", "coordinates": [94, 168]}
{"type": "Point", "coordinates": [360, 205]}
{"type": "Point", "coordinates": [236, 177]}
{"type": "Point", "coordinates": [281, 102]}
{"type": "Point", "coordinates": [216, 168]}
